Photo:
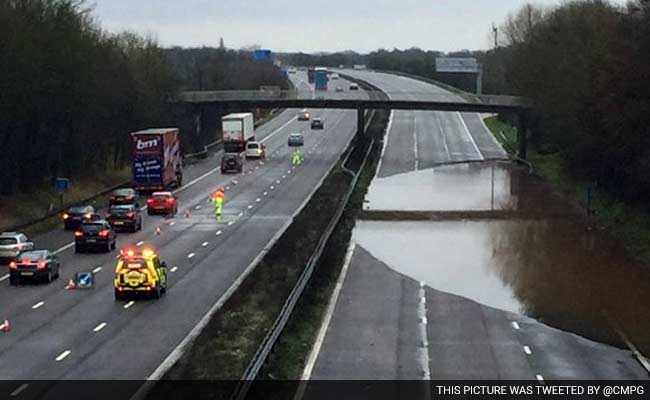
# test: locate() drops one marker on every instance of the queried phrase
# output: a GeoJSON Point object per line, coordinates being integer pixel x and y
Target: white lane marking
{"type": "Point", "coordinates": [257, 200]}
{"type": "Point", "coordinates": [4, 277]}
{"type": "Point", "coordinates": [227, 187]}
{"type": "Point", "coordinates": [174, 269]}
{"type": "Point", "coordinates": [469, 135]}
{"type": "Point", "coordinates": [218, 233]}
{"type": "Point", "coordinates": [129, 304]}
{"type": "Point", "coordinates": [63, 355]}
{"type": "Point", "coordinates": [423, 351]}
{"type": "Point", "coordinates": [527, 350]}
{"type": "Point", "coordinates": [272, 187]}
{"type": "Point", "coordinates": [100, 327]}
{"type": "Point", "coordinates": [415, 141]}
{"type": "Point", "coordinates": [539, 378]}
{"type": "Point", "coordinates": [265, 193]}
{"type": "Point", "coordinates": [96, 270]}
{"type": "Point", "coordinates": [67, 246]}
{"type": "Point", "coordinates": [250, 206]}
{"type": "Point", "coordinates": [192, 182]}
{"type": "Point", "coordinates": [423, 320]}
{"type": "Point", "coordinates": [172, 223]}
{"type": "Point", "coordinates": [140, 243]}
{"type": "Point", "coordinates": [197, 207]}
{"type": "Point", "coordinates": [204, 244]}
{"type": "Point", "coordinates": [241, 214]}
{"type": "Point", "coordinates": [230, 223]}
{"type": "Point", "coordinates": [19, 390]}
{"type": "Point", "coordinates": [320, 338]}
{"type": "Point", "coordinates": [38, 305]}
{"type": "Point", "coordinates": [383, 148]}
{"type": "Point", "coordinates": [442, 135]}
{"type": "Point", "coordinates": [515, 325]}
{"type": "Point", "coordinates": [288, 171]}
{"type": "Point", "coordinates": [278, 182]}
{"type": "Point", "coordinates": [284, 176]}
{"type": "Point", "coordinates": [190, 255]}
{"type": "Point", "coordinates": [279, 129]}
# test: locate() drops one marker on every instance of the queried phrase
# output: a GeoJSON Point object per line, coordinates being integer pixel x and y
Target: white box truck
{"type": "Point", "coordinates": [238, 129]}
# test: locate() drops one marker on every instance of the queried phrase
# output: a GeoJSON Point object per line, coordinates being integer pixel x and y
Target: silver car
{"type": "Point", "coordinates": [12, 244]}
{"type": "Point", "coordinates": [296, 140]}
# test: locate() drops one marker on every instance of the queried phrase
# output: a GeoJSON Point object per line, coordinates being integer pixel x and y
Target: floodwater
{"type": "Point", "coordinates": [553, 269]}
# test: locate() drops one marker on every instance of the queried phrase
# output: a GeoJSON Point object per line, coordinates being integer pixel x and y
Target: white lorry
{"type": "Point", "coordinates": [238, 129]}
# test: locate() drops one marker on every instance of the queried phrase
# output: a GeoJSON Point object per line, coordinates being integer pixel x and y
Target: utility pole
{"type": "Point", "coordinates": [495, 31]}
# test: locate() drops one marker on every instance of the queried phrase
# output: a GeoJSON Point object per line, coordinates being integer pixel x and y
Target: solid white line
{"type": "Point", "coordinates": [129, 304]}
{"type": "Point", "coordinates": [527, 350]}
{"type": "Point", "coordinates": [494, 139]}
{"type": "Point", "coordinates": [63, 355]}
{"type": "Point", "coordinates": [218, 233]}
{"type": "Point", "coordinates": [67, 246]}
{"type": "Point", "coordinates": [190, 255]}
{"type": "Point", "coordinates": [38, 305]}
{"type": "Point", "coordinates": [515, 325]}
{"type": "Point", "coordinates": [442, 135]}
{"type": "Point", "coordinates": [539, 378]}
{"type": "Point", "coordinates": [192, 182]}
{"type": "Point", "coordinates": [415, 141]}
{"type": "Point", "coordinates": [96, 270]}
{"type": "Point", "coordinates": [204, 244]}
{"type": "Point", "coordinates": [4, 277]}
{"type": "Point", "coordinates": [19, 390]}
{"type": "Point", "coordinates": [320, 338]}
{"type": "Point", "coordinates": [100, 327]}
{"type": "Point", "coordinates": [383, 148]}
{"type": "Point", "coordinates": [278, 130]}
{"type": "Point", "coordinates": [469, 135]}
{"type": "Point", "coordinates": [174, 269]}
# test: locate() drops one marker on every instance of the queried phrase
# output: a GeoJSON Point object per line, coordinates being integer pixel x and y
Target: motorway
{"type": "Point", "coordinates": [86, 334]}
{"type": "Point", "coordinates": [385, 321]}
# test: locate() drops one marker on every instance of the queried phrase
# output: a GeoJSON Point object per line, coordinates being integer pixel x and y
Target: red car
{"type": "Point", "coordinates": [162, 203]}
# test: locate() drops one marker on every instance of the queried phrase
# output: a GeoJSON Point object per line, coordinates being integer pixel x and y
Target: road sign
{"type": "Point", "coordinates": [457, 65]}
{"type": "Point", "coordinates": [84, 280]}
{"type": "Point", "coordinates": [62, 185]}
{"type": "Point", "coordinates": [262, 55]}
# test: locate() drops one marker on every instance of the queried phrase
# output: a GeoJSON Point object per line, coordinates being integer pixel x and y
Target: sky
{"type": "Point", "coordinates": [312, 26]}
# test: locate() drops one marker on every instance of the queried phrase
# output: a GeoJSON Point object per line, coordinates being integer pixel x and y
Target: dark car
{"type": "Point", "coordinates": [73, 218]}
{"type": "Point", "coordinates": [124, 196]}
{"type": "Point", "coordinates": [95, 235]}
{"type": "Point", "coordinates": [317, 123]}
{"type": "Point", "coordinates": [124, 216]}
{"type": "Point", "coordinates": [296, 140]}
{"type": "Point", "coordinates": [162, 203]}
{"type": "Point", "coordinates": [231, 162]}
{"type": "Point", "coordinates": [40, 265]}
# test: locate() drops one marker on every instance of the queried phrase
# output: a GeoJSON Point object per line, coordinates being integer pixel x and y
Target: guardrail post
{"type": "Point", "coordinates": [361, 120]}
{"type": "Point", "coordinates": [522, 135]}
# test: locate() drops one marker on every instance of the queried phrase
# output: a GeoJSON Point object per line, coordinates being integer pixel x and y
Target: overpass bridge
{"type": "Point", "coordinates": [247, 100]}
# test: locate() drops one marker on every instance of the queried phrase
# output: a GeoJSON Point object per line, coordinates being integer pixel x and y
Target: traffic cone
{"type": "Point", "coordinates": [158, 230]}
{"type": "Point", "coordinates": [187, 213]}
{"type": "Point", "coordinates": [70, 285]}
{"type": "Point", "coordinates": [5, 326]}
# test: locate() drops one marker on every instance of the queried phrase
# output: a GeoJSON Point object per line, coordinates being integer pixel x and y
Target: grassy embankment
{"type": "Point", "coordinates": [628, 222]}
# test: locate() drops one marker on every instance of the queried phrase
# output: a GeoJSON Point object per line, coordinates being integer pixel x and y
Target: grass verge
{"type": "Point", "coordinates": [628, 222]}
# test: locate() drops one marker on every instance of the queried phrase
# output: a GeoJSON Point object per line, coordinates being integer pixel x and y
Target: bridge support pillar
{"type": "Point", "coordinates": [361, 120]}
{"type": "Point", "coordinates": [522, 136]}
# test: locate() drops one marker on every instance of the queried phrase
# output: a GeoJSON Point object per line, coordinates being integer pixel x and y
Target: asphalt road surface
{"type": "Point", "coordinates": [86, 334]}
{"type": "Point", "coordinates": [385, 325]}
{"type": "Point", "coordinates": [422, 139]}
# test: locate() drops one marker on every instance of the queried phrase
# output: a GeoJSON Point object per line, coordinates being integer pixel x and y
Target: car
{"type": "Point", "coordinates": [339, 89]}
{"type": "Point", "coordinates": [12, 244]}
{"type": "Point", "coordinates": [139, 271]}
{"type": "Point", "coordinates": [39, 265]}
{"type": "Point", "coordinates": [296, 139]}
{"type": "Point", "coordinates": [303, 116]}
{"type": "Point", "coordinates": [95, 235]}
{"type": "Point", "coordinates": [317, 123]}
{"type": "Point", "coordinates": [354, 86]}
{"type": "Point", "coordinates": [162, 203]}
{"type": "Point", "coordinates": [74, 216]}
{"type": "Point", "coordinates": [334, 76]}
{"type": "Point", "coordinates": [124, 196]}
{"type": "Point", "coordinates": [124, 216]}
{"type": "Point", "coordinates": [255, 150]}
{"type": "Point", "coordinates": [231, 162]}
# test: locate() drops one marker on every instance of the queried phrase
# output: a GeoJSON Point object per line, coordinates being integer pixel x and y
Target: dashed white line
{"type": "Point", "coordinates": [423, 320]}
{"type": "Point", "coordinates": [218, 233]}
{"type": "Point", "coordinates": [96, 270]}
{"type": "Point", "coordinates": [278, 182]}
{"type": "Point", "coordinates": [241, 214]}
{"type": "Point", "coordinates": [230, 223]}
{"type": "Point", "coordinates": [172, 223]}
{"type": "Point", "coordinates": [257, 200]}
{"type": "Point", "coordinates": [19, 390]}
{"type": "Point", "coordinates": [515, 325]}
{"type": "Point", "coordinates": [272, 187]}
{"type": "Point", "coordinates": [174, 269]}
{"type": "Point", "coordinates": [129, 304]}
{"type": "Point", "coordinates": [100, 327]}
{"type": "Point", "coordinates": [197, 207]}
{"type": "Point", "coordinates": [539, 378]}
{"type": "Point", "coordinates": [265, 193]}
{"type": "Point", "coordinates": [250, 206]}
{"type": "Point", "coordinates": [527, 350]}
{"type": "Point", "coordinates": [38, 305]}
{"type": "Point", "coordinates": [190, 255]}
{"type": "Point", "coordinates": [140, 243]}
{"type": "Point", "coordinates": [63, 355]}
{"type": "Point", "coordinates": [284, 176]}
{"type": "Point", "coordinates": [204, 244]}
{"type": "Point", "coordinates": [4, 277]}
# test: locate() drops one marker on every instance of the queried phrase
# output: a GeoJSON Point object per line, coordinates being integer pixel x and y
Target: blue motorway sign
{"type": "Point", "coordinates": [84, 280]}
{"type": "Point", "coordinates": [62, 185]}
{"type": "Point", "coordinates": [262, 55]}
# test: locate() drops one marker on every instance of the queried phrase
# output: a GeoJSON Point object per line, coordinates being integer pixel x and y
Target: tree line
{"type": "Point", "coordinates": [71, 92]}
